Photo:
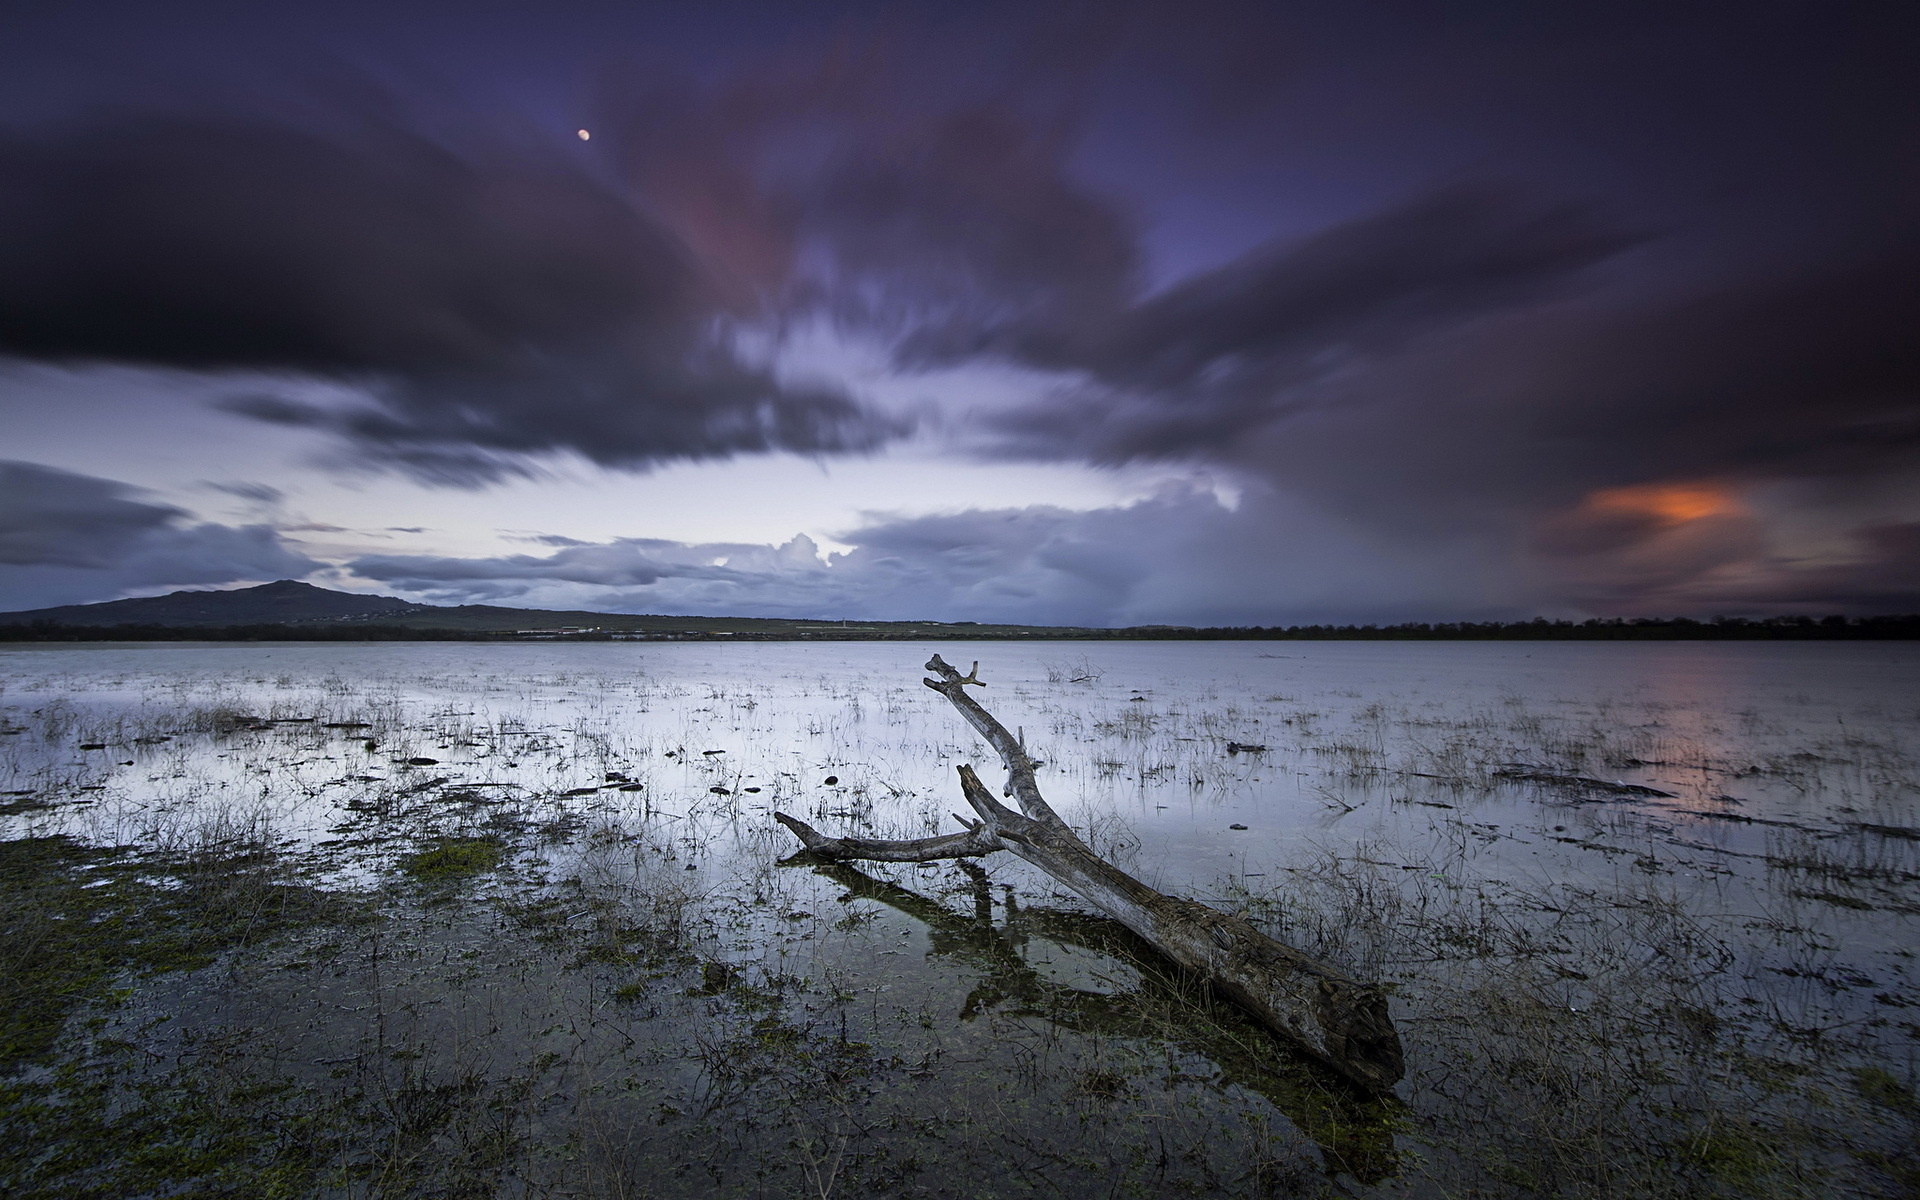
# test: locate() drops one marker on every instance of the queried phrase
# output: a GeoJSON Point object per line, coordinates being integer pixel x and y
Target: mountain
{"type": "Point", "coordinates": [283, 603]}
{"type": "Point", "coordinates": [303, 610]}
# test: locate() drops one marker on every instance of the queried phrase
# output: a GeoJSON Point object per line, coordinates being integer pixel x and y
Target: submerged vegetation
{"type": "Point", "coordinates": [433, 922]}
{"type": "Point", "coordinates": [454, 857]}
{"type": "Point", "coordinates": [76, 922]}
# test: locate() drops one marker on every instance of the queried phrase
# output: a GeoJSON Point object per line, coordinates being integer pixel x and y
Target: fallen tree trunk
{"type": "Point", "coordinates": [1354, 1131]}
{"type": "Point", "coordinates": [1334, 1017]}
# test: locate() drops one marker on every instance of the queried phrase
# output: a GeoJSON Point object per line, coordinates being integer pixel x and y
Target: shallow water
{"type": "Point", "coordinates": [1801, 731]}
{"type": "Point", "coordinates": [1134, 739]}
{"type": "Point", "coordinates": [1424, 812]}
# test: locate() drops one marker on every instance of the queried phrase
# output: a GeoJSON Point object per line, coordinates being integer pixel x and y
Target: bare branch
{"type": "Point", "coordinates": [1334, 1017]}
{"type": "Point", "coordinates": [1020, 782]}
{"type": "Point", "coordinates": [975, 841]}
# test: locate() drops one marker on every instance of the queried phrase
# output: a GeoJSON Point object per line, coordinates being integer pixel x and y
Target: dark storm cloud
{"type": "Point", "coordinates": [1812, 376]}
{"type": "Point", "coordinates": [50, 517]}
{"type": "Point", "coordinates": [967, 226]}
{"type": "Point", "coordinates": [1885, 577]}
{"type": "Point", "coordinates": [1368, 285]}
{"type": "Point", "coordinates": [1723, 564]}
{"type": "Point", "coordinates": [67, 537]}
{"type": "Point", "coordinates": [497, 300]}
{"type": "Point", "coordinates": [1814, 373]}
{"type": "Point", "coordinates": [853, 180]}
{"type": "Point", "coordinates": [494, 296]}
{"type": "Point", "coordinates": [1194, 368]}
{"type": "Point", "coordinates": [1696, 269]}
{"type": "Point", "coordinates": [1564, 431]}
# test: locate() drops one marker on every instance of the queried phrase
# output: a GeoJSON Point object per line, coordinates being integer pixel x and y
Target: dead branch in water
{"type": "Point", "coordinates": [1334, 1017]}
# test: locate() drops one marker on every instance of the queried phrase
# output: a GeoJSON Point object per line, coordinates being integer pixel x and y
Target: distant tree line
{"type": "Point", "coordinates": [1832, 628]}
{"type": "Point", "coordinates": [1598, 629]}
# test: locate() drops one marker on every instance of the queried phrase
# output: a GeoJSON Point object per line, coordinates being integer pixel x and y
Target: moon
{"type": "Point", "coordinates": [584, 135]}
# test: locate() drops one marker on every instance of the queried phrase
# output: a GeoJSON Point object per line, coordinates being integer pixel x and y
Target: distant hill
{"type": "Point", "coordinates": [283, 603]}
{"type": "Point", "coordinates": [303, 610]}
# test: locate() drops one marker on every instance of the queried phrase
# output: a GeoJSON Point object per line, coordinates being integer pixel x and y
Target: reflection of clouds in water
{"type": "Point", "coordinates": [1344, 721]}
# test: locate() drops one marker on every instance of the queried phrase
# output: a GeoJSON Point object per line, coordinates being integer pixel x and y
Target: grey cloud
{"type": "Point", "coordinates": [850, 183]}
{"type": "Point", "coordinates": [969, 226]}
{"type": "Point", "coordinates": [1179, 556]}
{"type": "Point", "coordinates": [66, 537]}
{"type": "Point", "coordinates": [1809, 373]}
{"type": "Point", "coordinates": [1194, 369]}
{"type": "Point", "coordinates": [1884, 577]}
{"type": "Point", "coordinates": [626, 563]}
{"type": "Point", "coordinates": [1742, 384]}
{"type": "Point", "coordinates": [1725, 565]}
{"type": "Point", "coordinates": [1367, 285]}
{"type": "Point", "coordinates": [258, 493]}
{"type": "Point", "coordinates": [1182, 557]}
{"type": "Point", "coordinates": [498, 300]}
{"type": "Point", "coordinates": [50, 517]}
{"type": "Point", "coordinates": [1493, 423]}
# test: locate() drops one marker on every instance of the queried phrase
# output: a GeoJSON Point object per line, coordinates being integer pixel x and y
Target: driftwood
{"type": "Point", "coordinates": [1334, 1017]}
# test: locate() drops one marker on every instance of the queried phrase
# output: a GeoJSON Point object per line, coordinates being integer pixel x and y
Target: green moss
{"type": "Point", "coordinates": [454, 858]}
{"type": "Point", "coordinates": [1882, 1087]}
{"type": "Point", "coordinates": [104, 1130]}
{"type": "Point", "coordinates": [1736, 1155]}
{"type": "Point", "coordinates": [77, 924]}
{"type": "Point", "coordinates": [74, 920]}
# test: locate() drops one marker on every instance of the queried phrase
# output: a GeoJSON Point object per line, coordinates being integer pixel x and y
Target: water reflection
{"type": "Point", "coordinates": [1354, 1132]}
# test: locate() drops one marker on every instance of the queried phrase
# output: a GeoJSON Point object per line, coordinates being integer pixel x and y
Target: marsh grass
{"type": "Point", "coordinates": [259, 950]}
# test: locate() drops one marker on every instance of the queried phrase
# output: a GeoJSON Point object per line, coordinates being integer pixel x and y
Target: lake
{"type": "Point", "coordinates": [484, 919]}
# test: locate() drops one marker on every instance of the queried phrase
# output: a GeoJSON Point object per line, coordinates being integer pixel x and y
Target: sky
{"type": "Point", "coordinates": [1117, 313]}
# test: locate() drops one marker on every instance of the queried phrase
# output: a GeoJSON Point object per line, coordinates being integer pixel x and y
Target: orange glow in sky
{"type": "Point", "coordinates": [1671, 504]}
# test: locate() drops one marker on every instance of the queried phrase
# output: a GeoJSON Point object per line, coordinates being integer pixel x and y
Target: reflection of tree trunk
{"type": "Point", "coordinates": [1333, 1016]}
{"type": "Point", "coordinates": [1353, 1133]}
